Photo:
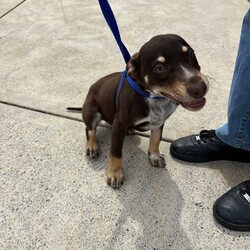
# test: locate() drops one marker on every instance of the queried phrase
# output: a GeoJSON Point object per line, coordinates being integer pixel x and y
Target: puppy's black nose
{"type": "Point", "coordinates": [197, 88]}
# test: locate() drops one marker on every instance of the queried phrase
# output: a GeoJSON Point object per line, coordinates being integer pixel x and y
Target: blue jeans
{"type": "Point", "coordinates": [236, 132]}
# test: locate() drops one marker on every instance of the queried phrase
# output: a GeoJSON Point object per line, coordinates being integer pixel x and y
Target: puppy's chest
{"type": "Point", "coordinates": [158, 112]}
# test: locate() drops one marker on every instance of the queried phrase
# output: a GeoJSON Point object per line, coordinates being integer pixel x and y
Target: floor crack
{"type": "Point", "coordinates": [12, 9]}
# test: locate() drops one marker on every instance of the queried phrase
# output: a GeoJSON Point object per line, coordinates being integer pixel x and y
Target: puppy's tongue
{"type": "Point", "coordinates": [195, 105]}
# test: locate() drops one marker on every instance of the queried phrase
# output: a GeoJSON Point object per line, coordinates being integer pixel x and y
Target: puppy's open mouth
{"type": "Point", "coordinates": [195, 105]}
{"type": "Point", "coordinates": [192, 106]}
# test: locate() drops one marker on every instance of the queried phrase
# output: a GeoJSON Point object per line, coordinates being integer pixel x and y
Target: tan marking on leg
{"type": "Point", "coordinates": [156, 159]}
{"type": "Point", "coordinates": [115, 173]}
{"type": "Point", "coordinates": [92, 146]}
{"type": "Point", "coordinates": [154, 141]}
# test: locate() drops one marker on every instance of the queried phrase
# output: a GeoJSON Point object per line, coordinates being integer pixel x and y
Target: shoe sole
{"type": "Point", "coordinates": [189, 158]}
{"type": "Point", "coordinates": [203, 159]}
{"type": "Point", "coordinates": [228, 225]}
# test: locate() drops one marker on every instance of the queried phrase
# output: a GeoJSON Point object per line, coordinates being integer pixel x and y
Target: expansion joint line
{"type": "Point", "coordinates": [12, 9]}
{"type": "Point", "coordinates": [66, 117]}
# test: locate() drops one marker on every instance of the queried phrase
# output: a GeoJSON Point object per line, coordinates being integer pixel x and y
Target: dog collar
{"type": "Point", "coordinates": [135, 86]}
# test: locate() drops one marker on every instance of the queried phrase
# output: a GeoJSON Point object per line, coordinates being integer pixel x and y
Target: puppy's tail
{"type": "Point", "coordinates": [73, 109]}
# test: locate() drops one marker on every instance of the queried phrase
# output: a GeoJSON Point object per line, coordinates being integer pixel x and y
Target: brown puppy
{"type": "Point", "coordinates": [165, 66]}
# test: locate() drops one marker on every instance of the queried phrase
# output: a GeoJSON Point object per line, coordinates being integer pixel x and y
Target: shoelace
{"type": "Point", "coordinates": [206, 136]}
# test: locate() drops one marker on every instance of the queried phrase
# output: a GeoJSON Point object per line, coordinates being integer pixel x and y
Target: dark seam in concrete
{"type": "Point", "coordinates": [12, 9]}
{"type": "Point", "coordinates": [66, 117]}
{"type": "Point", "coordinates": [39, 111]}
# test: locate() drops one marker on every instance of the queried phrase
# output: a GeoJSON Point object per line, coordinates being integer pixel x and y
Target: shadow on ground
{"type": "Point", "coordinates": [150, 202]}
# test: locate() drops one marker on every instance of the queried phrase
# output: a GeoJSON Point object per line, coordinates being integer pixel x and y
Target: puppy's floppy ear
{"type": "Point", "coordinates": [133, 65]}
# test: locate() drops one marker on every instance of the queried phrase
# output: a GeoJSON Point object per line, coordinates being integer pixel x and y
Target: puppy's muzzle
{"type": "Point", "coordinates": [196, 87]}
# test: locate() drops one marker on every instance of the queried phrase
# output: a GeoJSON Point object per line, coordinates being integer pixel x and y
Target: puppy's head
{"type": "Point", "coordinates": [166, 65]}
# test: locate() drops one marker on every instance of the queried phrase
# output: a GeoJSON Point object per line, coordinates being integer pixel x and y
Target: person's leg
{"type": "Point", "coordinates": [236, 132]}
{"type": "Point", "coordinates": [231, 141]}
{"type": "Point", "coordinates": [232, 209]}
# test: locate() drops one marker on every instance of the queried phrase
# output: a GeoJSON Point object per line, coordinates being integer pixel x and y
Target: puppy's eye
{"type": "Point", "coordinates": [160, 68]}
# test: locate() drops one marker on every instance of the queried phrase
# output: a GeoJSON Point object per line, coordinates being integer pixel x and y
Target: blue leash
{"type": "Point", "coordinates": [110, 19]}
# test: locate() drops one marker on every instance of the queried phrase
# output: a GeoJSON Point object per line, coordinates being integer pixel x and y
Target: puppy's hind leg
{"type": "Point", "coordinates": [91, 117]}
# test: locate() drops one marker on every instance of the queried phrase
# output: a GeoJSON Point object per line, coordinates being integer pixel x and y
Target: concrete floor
{"type": "Point", "coordinates": [51, 195]}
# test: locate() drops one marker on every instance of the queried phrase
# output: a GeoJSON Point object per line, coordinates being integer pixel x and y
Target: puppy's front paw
{"type": "Point", "coordinates": [115, 178]}
{"type": "Point", "coordinates": [92, 152]}
{"type": "Point", "coordinates": [157, 160]}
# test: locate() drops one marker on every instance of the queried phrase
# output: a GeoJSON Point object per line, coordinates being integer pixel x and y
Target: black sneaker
{"type": "Point", "coordinates": [232, 209]}
{"type": "Point", "coordinates": [205, 147]}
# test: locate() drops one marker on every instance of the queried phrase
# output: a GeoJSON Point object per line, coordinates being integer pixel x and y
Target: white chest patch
{"type": "Point", "coordinates": [159, 111]}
